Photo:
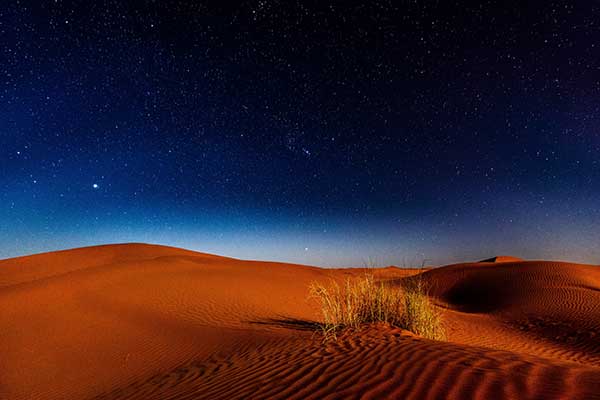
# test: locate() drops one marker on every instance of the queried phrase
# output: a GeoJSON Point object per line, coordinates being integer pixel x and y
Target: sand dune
{"type": "Point", "coordinates": [151, 322]}
{"type": "Point", "coordinates": [501, 259]}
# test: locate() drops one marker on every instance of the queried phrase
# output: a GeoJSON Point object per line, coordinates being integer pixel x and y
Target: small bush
{"type": "Point", "coordinates": [355, 302]}
{"type": "Point", "coordinates": [363, 300]}
{"type": "Point", "coordinates": [419, 315]}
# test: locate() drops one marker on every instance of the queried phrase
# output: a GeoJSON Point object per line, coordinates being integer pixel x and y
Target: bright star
{"type": "Point", "coordinates": [95, 186]}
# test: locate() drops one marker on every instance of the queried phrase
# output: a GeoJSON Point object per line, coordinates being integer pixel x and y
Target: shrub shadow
{"type": "Point", "coordinates": [288, 323]}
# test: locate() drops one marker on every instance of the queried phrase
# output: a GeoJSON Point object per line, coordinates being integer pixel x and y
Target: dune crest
{"type": "Point", "coordinates": [138, 321]}
{"type": "Point", "coordinates": [501, 259]}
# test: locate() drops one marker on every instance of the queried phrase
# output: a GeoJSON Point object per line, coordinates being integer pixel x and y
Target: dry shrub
{"type": "Point", "coordinates": [355, 302]}
{"type": "Point", "coordinates": [363, 300]}
{"type": "Point", "coordinates": [419, 314]}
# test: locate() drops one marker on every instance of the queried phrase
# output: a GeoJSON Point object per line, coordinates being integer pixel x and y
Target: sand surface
{"type": "Point", "coordinates": [151, 322]}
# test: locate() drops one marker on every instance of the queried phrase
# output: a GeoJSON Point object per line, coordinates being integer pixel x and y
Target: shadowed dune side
{"type": "Point", "coordinates": [152, 322]}
{"type": "Point", "coordinates": [550, 309]}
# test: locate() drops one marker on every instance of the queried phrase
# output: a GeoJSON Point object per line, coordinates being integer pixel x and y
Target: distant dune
{"type": "Point", "coordinates": [147, 322]}
{"type": "Point", "coordinates": [501, 259]}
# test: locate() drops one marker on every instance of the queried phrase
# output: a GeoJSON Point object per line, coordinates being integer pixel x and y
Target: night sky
{"type": "Point", "coordinates": [314, 132]}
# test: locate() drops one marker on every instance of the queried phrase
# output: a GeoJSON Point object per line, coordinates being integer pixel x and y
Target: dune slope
{"type": "Point", "coordinates": [151, 322]}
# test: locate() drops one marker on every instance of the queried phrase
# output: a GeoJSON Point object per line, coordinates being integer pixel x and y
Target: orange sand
{"type": "Point", "coordinates": [151, 322]}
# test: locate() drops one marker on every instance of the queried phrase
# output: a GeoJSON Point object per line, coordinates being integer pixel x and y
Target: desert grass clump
{"type": "Point", "coordinates": [419, 314]}
{"type": "Point", "coordinates": [356, 301]}
{"type": "Point", "coordinates": [364, 300]}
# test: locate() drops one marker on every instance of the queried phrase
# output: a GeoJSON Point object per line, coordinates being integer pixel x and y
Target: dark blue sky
{"type": "Point", "coordinates": [313, 132]}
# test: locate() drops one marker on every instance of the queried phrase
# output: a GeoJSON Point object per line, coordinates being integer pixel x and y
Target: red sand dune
{"type": "Point", "coordinates": [501, 259]}
{"type": "Point", "coordinates": [151, 322]}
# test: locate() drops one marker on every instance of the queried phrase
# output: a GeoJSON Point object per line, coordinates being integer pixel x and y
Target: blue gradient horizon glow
{"type": "Point", "coordinates": [329, 241]}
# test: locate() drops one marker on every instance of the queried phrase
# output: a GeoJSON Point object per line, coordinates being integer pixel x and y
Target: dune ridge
{"type": "Point", "coordinates": [501, 259]}
{"type": "Point", "coordinates": [138, 321]}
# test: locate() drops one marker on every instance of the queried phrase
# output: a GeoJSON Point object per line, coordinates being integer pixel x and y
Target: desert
{"type": "Point", "coordinates": [308, 200]}
{"type": "Point", "coordinates": [137, 321]}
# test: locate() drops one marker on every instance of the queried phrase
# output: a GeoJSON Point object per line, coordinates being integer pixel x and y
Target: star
{"type": "Point", "coordinates": [95, 186]}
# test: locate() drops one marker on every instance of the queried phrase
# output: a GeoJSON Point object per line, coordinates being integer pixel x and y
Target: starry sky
{"type": "Point", "coordinates": [317, 132]}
